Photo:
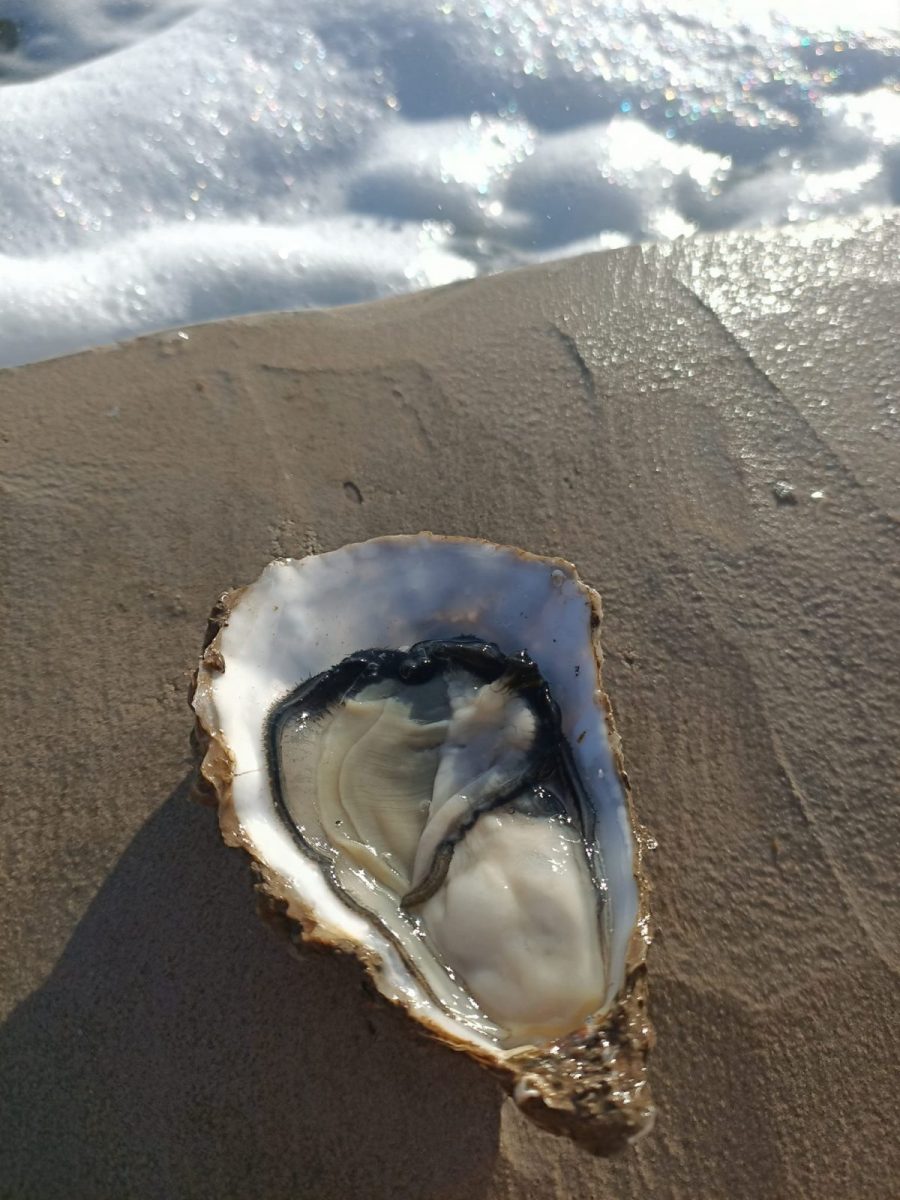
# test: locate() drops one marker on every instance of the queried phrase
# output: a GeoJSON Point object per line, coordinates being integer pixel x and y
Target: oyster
{"type": "Point", "coordinates": [410, 737]}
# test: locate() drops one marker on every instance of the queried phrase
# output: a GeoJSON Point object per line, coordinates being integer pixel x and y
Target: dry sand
{"type": "Point", "coordinates": [630, 411]}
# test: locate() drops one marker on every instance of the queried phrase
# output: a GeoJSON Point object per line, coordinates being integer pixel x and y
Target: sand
{"type": "Point", "coordinates": [633, 412]}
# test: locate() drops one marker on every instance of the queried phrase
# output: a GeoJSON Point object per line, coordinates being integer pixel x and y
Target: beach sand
{"type": "Point", "coordinates": [707, 431]}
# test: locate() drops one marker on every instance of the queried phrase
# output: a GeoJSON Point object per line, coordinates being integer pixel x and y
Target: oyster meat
{"type": "Point", "coordinates": [410, 737]}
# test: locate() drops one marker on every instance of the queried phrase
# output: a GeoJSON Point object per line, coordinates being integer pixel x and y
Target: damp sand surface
{"type": "Point", "coordinates": [710, 433]}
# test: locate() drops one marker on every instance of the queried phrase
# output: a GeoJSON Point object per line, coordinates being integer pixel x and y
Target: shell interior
{"type": "Point", "coordinates": [433, 785]}
{"type": "Point", "coordinates": [420, 759]}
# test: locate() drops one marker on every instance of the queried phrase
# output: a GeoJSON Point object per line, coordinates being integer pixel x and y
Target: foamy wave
{"type": "Point", "coordinates": [170, 162]}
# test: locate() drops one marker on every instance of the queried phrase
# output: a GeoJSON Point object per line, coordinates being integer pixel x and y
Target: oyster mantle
{"type": "Point", "coordinates": [410, 737]}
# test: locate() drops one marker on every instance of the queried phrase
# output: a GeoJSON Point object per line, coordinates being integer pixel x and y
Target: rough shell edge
{"type": "Point", "coordinates": [590, 1086]}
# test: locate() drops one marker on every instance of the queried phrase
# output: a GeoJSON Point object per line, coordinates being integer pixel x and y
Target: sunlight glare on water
{"type": "Point", "coordinates": [171, 161]}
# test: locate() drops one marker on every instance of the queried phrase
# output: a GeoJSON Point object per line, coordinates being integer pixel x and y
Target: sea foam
{"type": "Point", "coordinates": [169, 162]}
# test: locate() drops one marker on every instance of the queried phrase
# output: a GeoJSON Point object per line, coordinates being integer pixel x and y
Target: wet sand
{"type": "Point", "coordinates": [706, 430]}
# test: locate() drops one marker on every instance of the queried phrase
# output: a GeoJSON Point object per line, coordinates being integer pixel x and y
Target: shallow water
{"type": "Point", "coordinates": [169, 161]}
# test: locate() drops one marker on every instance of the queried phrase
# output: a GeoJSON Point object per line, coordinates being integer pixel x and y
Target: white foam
{"type": "Point", "coordinates": [177, 274]}
{"type": "Point", "coordinates": [170, 161]}
{"type": "Point", "coordinates": [57, 34]}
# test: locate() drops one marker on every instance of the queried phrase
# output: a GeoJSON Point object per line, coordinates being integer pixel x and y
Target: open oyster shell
{"type": "Point", "coordinates": [410, 737]}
